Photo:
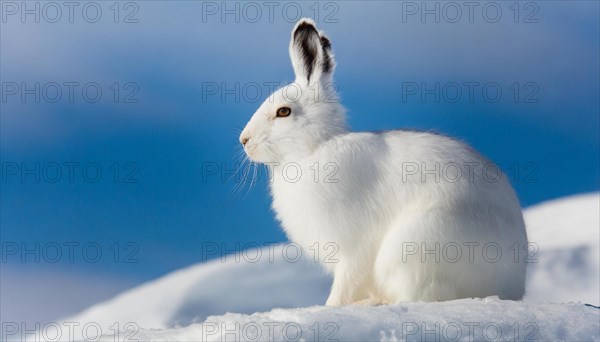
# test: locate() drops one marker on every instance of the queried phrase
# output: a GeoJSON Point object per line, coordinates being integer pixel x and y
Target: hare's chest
{"type": "Point", "coordinates": [306, 209]}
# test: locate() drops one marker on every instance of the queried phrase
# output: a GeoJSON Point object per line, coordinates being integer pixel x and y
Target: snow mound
{"type": "Point", "coordinates": [567, 265]}
{"type": "Point", "coordinates": [487, 319]}
{"type": "Point", "coordinates": [256, 280]}
{"type": "Point", "coordinates": [263, 286]}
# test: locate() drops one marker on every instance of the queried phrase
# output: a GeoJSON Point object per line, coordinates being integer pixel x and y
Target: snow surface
{"type": "Point", "coordinates": [567, 232]}
{"type": "Point", "coordinates": [196, 303]}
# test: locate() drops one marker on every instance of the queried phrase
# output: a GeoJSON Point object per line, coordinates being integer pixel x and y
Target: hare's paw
{"type": "Point", "coordinates": [373, 301]}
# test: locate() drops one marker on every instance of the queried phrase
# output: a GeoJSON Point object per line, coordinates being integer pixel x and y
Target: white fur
{"type": "Point", "coordinates": [366, 208]}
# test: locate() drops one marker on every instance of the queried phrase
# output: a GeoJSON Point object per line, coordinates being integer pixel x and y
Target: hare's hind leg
{"type": "Point", "coordinates": [409, 266]}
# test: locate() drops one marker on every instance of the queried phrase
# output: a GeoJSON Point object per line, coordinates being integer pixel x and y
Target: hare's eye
{"type": "Point", "coordinates": [283, 112]}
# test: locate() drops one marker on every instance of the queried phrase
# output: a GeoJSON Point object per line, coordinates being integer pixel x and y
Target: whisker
{"type": "Point", "coordinates": [235, 188]}
{"type": "Point", "coordinates": [239, 164]}
{"type": "Point", "coordinates": [252, 179]}
{"type": "Point", "coordinates": [243, 181]}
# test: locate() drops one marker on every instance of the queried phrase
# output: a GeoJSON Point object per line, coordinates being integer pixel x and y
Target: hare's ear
{"type": "Point", "coordinates": [311, 54]}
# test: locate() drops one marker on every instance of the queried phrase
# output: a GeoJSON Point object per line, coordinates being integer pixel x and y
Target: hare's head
{"type": "Point", "coordinates": [297, 118]}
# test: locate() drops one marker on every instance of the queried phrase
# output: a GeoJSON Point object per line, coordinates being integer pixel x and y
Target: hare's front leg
{"type": "Point", "coordinates": [348, 287]}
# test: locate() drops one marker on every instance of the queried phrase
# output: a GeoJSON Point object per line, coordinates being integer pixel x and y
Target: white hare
{"type": "Point", "coordinates": [410, 215]}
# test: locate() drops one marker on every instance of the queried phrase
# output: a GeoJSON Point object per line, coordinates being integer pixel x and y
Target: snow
{"type": "Point", "coordinates": [263, 295]}
{"type": "Point", "coordinates": [471, 320]}
{"type": "Point", "coordinates": [567, 232]}
{"type": "Point", "coordinates": [216, 287]}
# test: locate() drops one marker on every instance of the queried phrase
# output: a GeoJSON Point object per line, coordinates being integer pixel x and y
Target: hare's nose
{"type": "Point", "coordinates": [244, 140]}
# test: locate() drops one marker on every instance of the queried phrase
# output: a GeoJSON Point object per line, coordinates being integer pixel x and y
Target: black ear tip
{"type": "Point", "coordinates": [305, 26]}
{"type": "Point", "coordinates": [325, 42]}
